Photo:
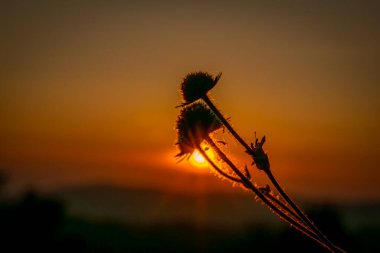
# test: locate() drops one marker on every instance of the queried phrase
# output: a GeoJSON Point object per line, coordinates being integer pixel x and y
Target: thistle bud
{"type": "Point", "coordinates": [260, 157]}
{"type": "Point", "coordinates": [194, 123]}
{"type": "Point", "coordinates": [196, 85]}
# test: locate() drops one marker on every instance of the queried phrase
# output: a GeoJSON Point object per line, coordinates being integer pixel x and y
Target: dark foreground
{"type": "Point", "coordinates": [33, 223]}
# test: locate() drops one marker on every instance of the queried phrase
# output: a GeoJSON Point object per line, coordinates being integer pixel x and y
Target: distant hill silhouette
{"type": "Point", "coordinates": [113, 219]}
{"type": "Point", "coordinates": [153, 207]}
{"type": "Point", "coordinates": [220, 210]}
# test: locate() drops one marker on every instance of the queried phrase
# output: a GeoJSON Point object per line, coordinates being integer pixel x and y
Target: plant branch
{"type": "Point", "coordinates": [248, 184]}
{"type": "Point", "coordinates": [281, 204]}
{"type": "Point", "coordinates": [225, 122]}
{"type": "Point", "coordinates": [211, 162]}
{"type": "Point", "coordinates": [248, 149]}
{"type": "Point", "coordinates": [300, 214]}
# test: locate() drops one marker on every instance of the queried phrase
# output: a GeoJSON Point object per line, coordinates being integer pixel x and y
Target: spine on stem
{"type": "Point", "coordinates": [248, 184]}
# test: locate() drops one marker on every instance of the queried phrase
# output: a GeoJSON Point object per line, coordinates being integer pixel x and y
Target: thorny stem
{"type": "Point", "coordinates": [207, 100]}
{"type": "Point", "coordinates": [237, 180]}
{"type": "Point", "coordinates": [290, 211]}
{"type": "Point", "coordinates": [210, 161]}
{"type": "Point", "coordinates": [248, 184]}
{"type": "Point", "coordinates": [302, 216]}
{"type": "Point", "coordinates": [210, 104]}
{"type": "Point", "coordinates": [281, 204]}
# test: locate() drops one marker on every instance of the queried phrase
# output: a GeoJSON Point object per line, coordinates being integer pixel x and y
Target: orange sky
{"type": "Point", "coordinates": [88, 89]}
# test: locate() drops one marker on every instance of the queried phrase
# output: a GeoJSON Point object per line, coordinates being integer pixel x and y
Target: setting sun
{"type": "Point", "coordinates": [198, 160]}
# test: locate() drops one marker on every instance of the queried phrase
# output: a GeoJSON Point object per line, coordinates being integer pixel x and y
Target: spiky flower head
{"type": "Point", "coordinates": [196, 85]}
{"type": "Point", "coordinates": [194, 123]}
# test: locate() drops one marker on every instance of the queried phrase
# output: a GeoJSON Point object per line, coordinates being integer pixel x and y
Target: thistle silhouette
{"type": "Point", "coordinates": [195, 124]}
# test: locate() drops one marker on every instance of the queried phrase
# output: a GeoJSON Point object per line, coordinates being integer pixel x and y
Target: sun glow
{"type": "Point", "coordinates": [198, 160]}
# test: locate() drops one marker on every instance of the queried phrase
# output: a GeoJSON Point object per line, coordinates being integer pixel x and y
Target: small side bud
{"type": "Point", "coordinates": [265, 190]}
{"type": "Point", "coordinates": [260, 157]}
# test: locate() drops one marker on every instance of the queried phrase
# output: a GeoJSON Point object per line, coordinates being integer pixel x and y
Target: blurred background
{"type": "Point", "coordinates": [88, 91]}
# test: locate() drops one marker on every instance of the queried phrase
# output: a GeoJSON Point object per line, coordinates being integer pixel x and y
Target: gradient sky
{"type": "Point", "coordinates": [88, 90]}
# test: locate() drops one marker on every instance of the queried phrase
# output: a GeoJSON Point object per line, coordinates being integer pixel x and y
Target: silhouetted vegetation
{"type": "Point", "coordinates": [196, 122]}
{"type": "Point", "coordinates": [35, 223]}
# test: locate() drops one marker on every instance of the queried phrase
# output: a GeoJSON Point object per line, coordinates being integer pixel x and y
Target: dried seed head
{"type": "Point", "coordinates": [194, 123]}
{"type": "Point", "coordinates": [260, 157]}
{"type": "Point", "coordinates": [196, 85]}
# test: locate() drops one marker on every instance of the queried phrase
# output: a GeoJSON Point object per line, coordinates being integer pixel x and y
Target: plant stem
{"type": "Point", "coordinates": [281, 204]}
{"type": "Point", "coordinates": [209, 103]}
{"type": "Point", "coordinates": [248, 184]}
{"type": "Point", "coordinates": [204, 154]}
{"type": "Point", "coordinates": [267, 195]}
{"type": "Point", "coordinates": [301, 215]}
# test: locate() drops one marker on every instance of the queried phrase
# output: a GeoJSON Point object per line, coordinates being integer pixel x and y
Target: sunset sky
{"type": "Point", "coordinates": [88, 91]}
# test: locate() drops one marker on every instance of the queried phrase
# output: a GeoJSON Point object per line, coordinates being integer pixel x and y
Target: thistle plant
{"type": "Point", "coordinates": [199, 118]}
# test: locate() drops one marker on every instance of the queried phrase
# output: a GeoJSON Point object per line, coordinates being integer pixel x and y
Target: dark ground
{"type": "Point", "coordinates": [36, 223]}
